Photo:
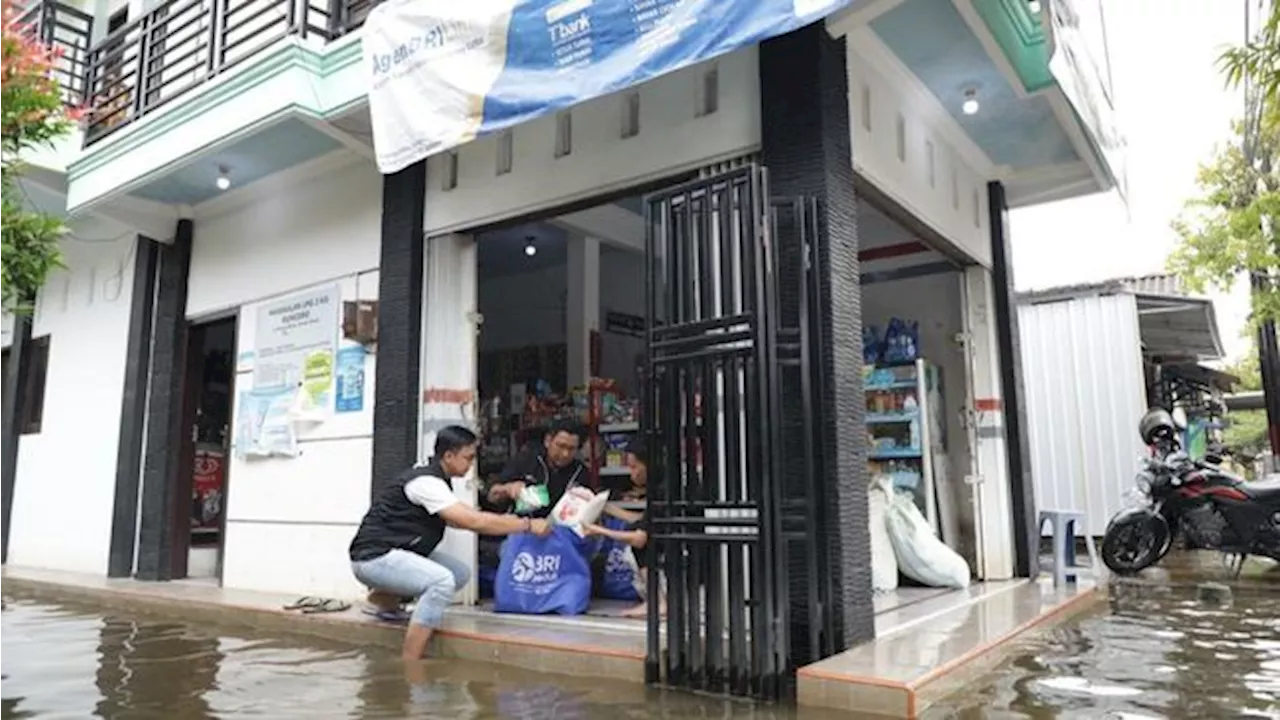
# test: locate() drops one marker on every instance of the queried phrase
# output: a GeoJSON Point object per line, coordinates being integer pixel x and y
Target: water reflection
{"type": "Point", "coordinates": [137, 663]}
{"type": "Point", "coordinates": [1149, 652]}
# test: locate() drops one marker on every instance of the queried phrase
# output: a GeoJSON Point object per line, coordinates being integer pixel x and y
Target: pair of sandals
{"type": "Point", "coordinates": [310, 605]}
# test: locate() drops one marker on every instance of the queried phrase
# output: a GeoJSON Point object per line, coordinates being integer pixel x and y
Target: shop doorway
{"type": "Point", "coordinates": [198, 513]}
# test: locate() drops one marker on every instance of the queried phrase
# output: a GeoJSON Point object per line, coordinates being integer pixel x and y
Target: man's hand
{"type": "Point", "coordinates": [513, 489]}
{"type": "Point", "coordinates": [589, 529]}
{"type": "Point", "coordinates": [540, 527]}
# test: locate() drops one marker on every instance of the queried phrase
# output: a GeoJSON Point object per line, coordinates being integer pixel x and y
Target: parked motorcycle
{"type": "Point", "coordinates": [1208, 506]}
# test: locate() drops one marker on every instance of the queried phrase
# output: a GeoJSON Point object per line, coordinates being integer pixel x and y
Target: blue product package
{"type": "Point", "coordinates": [543, 575]}
{"type": "Point", "coordinates": [871, 346]}
{"type": "Point", "coordinates": [619, 579]}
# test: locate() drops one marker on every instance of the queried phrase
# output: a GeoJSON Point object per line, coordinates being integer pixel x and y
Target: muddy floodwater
{"type": "Point", "coordinates": [1148, 651]}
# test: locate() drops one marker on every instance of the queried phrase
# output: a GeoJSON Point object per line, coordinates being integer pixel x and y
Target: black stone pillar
{"type": "Point", "coordinates": [804, 107]}
{"type": "Point", "coordinates": [397, 396]}
{"type": "Point", "coordinates": [1026, 534]}
{"type": "Point", "coordinates": [133, 410]}
{"type": "Point", "coordinates": [164, 408]}
{"type": "Point", "coordinates": [13, 401]}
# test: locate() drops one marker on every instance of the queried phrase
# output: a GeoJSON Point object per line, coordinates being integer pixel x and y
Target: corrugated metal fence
{"type": "Point", "coordinates": [1082, 366]}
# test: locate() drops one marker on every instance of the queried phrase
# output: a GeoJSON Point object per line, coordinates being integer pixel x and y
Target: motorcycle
{"type": "Point", "coordinates": [1208, 506]}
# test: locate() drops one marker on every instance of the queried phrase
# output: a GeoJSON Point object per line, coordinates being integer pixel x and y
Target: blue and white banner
{"type": "Point", "coordinates": [445, 71]}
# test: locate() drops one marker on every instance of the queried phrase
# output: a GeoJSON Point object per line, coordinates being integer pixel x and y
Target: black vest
{"type": "Point", "coordinates": [395, 523]}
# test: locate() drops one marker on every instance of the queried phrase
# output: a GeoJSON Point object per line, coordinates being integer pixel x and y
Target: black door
{"type": "Point", "coordinates": [731, 525]}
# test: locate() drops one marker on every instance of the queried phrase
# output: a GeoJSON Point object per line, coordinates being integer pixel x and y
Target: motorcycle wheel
{"type": "Point", "coordinates": [1135, 544]}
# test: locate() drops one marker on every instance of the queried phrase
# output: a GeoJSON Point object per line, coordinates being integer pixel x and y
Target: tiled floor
{"type": "Point", "coordinates": [924, 650]}
{"type": "Point", "coordinates": [924, 636]}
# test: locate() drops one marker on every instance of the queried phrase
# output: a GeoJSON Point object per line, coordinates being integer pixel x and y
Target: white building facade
{"type": "Point", "coordinates": [867, 111]}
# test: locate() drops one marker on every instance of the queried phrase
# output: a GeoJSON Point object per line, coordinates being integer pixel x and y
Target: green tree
{"type": "Point", "coordinates": [1257, 62]}
{"type": "Point", "coordinates": [1246, 431]}
{"type": "Point", "coordinates": [33, 116]}
{"type": "Point", "coordinates": [1233, 227]}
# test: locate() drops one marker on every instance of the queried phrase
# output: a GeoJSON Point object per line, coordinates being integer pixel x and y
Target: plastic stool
{"type": "Point", "coordinates": [1064, 524]}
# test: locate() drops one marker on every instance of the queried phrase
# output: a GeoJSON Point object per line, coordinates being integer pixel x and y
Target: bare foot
{"type": "Point", "coordinates": [415, 672]}
{"type": "Point", "coordinates": [642, 611]}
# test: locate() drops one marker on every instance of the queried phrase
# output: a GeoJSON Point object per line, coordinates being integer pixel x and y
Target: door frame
{"type": "Point", "coordinates": [182, 479]}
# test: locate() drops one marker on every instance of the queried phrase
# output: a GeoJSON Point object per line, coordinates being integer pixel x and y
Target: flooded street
{"type": "Point", "coordinates": [1150, 651]}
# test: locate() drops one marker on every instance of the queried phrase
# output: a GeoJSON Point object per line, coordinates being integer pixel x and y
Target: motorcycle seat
{"type": "Point", "coordinates": [1266, 490]}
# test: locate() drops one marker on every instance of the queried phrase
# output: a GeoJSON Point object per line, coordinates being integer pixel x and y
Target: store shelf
{"type": "Point", "coordinates": [895, 454]}
{"type": "Point", "coordinates": [890, 418]}
{"type": "Point", "coordinates": [624, 427]}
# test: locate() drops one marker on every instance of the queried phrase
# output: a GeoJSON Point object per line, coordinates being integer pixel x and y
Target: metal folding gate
{"type": "Point", "coordinates": [730, 394]}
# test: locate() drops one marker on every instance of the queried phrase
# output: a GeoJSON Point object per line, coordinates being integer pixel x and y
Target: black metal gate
{"type": "Point", "coordinates": [730, 395]}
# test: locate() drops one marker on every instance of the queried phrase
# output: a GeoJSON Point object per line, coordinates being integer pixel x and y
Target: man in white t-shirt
{"type": "Point", "coordinates": [395, 552]}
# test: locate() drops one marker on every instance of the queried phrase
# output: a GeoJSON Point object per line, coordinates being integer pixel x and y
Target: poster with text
{"type": "Point", "coordinates": [349, 396]}
{"type": "Point", "coordinates": [265, 427]}
{"type": "Point", "coordinates": [295, 343]}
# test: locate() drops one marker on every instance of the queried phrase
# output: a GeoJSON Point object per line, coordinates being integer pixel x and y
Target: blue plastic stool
{"type": "Point", "coordinates": [1064, 524]}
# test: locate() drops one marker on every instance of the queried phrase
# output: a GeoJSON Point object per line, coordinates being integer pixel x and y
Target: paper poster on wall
{"type": "Point", "coordinates": [349, 395]}
{"type": "Point", "coordinates": [266, 425]}
{"type": "Point", "coordinates": [295, 343]}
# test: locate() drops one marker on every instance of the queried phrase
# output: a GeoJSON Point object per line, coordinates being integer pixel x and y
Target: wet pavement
{"type": "Point", "coordinates": [1163, 646]}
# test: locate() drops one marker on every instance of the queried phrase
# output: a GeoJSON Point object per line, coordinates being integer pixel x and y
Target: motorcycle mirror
{"type": "Point", "coordinates": [1180, 417]}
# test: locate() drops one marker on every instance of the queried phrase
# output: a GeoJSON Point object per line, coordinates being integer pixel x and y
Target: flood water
{"type": "Point", "coordinates": [1146, 653]}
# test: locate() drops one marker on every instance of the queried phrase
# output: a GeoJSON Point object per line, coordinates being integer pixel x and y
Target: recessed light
{"type": "Point", "coordinates": [223, 180]}
{"type": "Point", "coordinates": [970, 105]}
{"type": "Point", "coordinates": [529, 248]}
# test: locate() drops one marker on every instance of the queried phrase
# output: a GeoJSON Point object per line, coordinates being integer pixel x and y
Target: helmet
{"type": "Point", "coordinates": [1156, 424]}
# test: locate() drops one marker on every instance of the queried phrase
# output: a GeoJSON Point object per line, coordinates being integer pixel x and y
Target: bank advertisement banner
{"type": "Point", "coordinates": [443, 71]}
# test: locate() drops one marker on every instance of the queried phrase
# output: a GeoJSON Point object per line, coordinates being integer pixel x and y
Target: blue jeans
{"type": "Point", "coordinates": [432, 580]}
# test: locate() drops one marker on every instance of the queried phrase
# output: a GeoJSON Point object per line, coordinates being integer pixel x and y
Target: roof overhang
{"type": "Point", "coordinates": [1176, 328]}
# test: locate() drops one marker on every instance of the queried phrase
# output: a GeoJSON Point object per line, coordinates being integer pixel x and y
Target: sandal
{"type": "Point", "coordinates": [327, 606]}
{"type": "Point", "coordinates": [398, 617]}
{"type": "Point", "coordinates": [303, 603]}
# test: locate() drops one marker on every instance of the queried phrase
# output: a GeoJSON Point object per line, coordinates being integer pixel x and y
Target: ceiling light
{"type": "Point", "coordinates": [224, 178]}
{"type": "Point", "coordinates": [1034, 7]}
{"type": "Point", "coordinates": [970, 105]}
{"type": "Point", "coordinates": [529, 248]}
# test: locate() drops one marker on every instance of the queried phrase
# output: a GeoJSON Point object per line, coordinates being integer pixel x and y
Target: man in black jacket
{"type": "Point", "coordinates": [552, 463]}
{"type": "Point", "coordinates": [395, 552]}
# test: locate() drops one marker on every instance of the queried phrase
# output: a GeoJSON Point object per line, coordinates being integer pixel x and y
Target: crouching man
{"type": "Point", "coordinates": [395, 552]}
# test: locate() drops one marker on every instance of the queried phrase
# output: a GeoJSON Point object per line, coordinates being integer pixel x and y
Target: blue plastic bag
{"type": "Point", "coordinates": [618, 582]}
{"type": "Point", "coordinates": [542, 575]}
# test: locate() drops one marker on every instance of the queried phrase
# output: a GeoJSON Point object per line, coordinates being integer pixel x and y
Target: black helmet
{"type": "Point", "coordinates": [1156, 424]}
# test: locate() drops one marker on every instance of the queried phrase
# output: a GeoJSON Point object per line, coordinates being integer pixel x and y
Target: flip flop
{"type": "Point", "coordinates": [398, 617]}
{"type": "Point", "coordinates": [329, 605]}
{"type": "Point", "coordinates": [303, 603]}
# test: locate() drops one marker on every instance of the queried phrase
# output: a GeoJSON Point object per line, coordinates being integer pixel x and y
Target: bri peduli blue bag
{"type": "Point", "coordinates": [619, 579]}
{"type": "Point", "coordinates": [543, 575]}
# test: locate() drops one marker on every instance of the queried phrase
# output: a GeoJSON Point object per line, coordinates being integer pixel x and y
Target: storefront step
{"type": "Point", "coordinates": [930, 651]}
{"type": "Point", "coordinates": [591, 649]}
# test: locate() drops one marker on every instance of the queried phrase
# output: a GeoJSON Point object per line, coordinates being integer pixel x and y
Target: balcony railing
{"type": "Point", "coordinates": [174, 48]}
{"type": "Point", "coordinates": [67, 29]}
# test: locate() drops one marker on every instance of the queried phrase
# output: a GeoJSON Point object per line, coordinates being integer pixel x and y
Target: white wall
{"type": "Point", "coordinates": [289, 521]}
{"type": "Point", "coordinates": [65, 488]}
{"type": "Point", "coordinates": [1085, 391]}
{"type": "Point", "coordinates": [948, 192]}
{"type": "Point", "coordinates": [672, 139]}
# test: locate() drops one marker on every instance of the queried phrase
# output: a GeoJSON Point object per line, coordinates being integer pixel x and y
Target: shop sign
{"type": "Point", "coordinates": [624, 324]}
{"type": "Point", "coordinates": [295, 342]}
{"type": "Point", "coordinates": [1081, 65]}
{"type": "Point", "coordinates": [442, 72]}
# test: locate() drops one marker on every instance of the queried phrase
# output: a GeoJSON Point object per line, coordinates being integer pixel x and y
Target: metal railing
{"type": "Point", "coordinates": [68, 30]}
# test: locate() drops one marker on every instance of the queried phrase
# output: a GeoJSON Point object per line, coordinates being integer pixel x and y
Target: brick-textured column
{"type": "Point", "coordinates": [164, 409]}
{"type": "Point", "coordinates": [397, 396]}
{"type": "Point", "coordinates": [806, 147]}
{"type": "Point", "coordinates": [1026, 534]}
{"type": "Point", "coordinates": [133, 409]}
{"type": "Point", "coordinates": [13, 400]}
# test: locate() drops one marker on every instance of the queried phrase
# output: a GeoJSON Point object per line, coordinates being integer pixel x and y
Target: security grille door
{"type": "Point", "coordinates": [730, 526]}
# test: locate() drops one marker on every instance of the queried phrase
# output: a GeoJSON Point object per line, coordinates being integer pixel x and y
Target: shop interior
{"type": "Point", "coordinates": [561, 336]}
{"type": "Point", "coordinates": [207, 407]}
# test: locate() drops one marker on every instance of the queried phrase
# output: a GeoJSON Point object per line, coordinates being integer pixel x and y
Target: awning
{"type": "Point", "coordinates": [1178, 328]}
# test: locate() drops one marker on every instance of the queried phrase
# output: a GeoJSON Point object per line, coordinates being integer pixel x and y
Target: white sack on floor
{"type": "Point", "coordinates": [921, 555]}
{"type": "Point", "coordinates": [884, 565]}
